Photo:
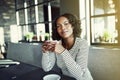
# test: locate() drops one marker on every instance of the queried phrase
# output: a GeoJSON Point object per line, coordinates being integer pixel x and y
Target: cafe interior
{"type": "Point", "coordinates": [25, 24]}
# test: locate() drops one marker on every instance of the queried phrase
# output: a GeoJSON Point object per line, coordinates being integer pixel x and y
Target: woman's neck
{"type": "Point", "coordinates": [69, 42]}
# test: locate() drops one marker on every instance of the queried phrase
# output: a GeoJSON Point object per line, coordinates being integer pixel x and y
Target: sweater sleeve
{"type": "Point", "coordinates": [48, 61]}
{"type": "Point", "coordinates": [78, 66]}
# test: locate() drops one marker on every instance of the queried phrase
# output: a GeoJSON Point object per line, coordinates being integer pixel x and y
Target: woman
{"type": "Point", "coordinates": [70, 52]}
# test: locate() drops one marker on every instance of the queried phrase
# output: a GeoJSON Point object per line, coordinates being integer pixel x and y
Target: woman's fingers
{"type": "Point", "coordinates": [48, 46]}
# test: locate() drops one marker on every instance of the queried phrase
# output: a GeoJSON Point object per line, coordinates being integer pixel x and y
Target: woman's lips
{"type": "Point", "coordinates": [64, 32]}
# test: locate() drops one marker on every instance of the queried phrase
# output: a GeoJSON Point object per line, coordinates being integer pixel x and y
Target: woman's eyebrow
{"type": "Point", "coordinates": [66, 21]}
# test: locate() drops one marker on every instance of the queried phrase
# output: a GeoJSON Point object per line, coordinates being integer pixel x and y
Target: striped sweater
{"type": "Point", "coordinates": [72, 62]}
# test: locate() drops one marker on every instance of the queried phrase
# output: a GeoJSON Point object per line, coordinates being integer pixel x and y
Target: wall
{"type": "Point", "coordinates": [104, 63]}
{"type": "Point", "coordinates": [69, 6]}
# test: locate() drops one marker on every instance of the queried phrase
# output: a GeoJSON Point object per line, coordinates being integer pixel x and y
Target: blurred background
{"type": "Point", "coordinates": [31, 21]}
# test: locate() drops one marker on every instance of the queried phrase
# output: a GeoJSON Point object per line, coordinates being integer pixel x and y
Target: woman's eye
{"type": "Point", "coordinates": [66, 24]}
{"type": "Point", "coordinates": [58, 26]}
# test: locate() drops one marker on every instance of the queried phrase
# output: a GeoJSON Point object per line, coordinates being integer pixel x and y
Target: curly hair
{"type": "Point", "coordinates": [73, 20]}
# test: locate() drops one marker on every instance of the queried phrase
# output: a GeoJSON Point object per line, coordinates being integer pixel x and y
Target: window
{"type": "Point", "coordinates": [35, 14]}
{"type": "Point", "coordinates": [103, 22]}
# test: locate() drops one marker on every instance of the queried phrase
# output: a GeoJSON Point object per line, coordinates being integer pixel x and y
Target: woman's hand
{"type": "Point", "coordinates": [58, 47]}
{"type": "Point", "coordinates": [53, 46]}
{"type": "Point", "coordinates": [48, 46]}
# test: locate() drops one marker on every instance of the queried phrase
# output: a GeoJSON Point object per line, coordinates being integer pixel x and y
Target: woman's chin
{"type": "Point", "coordinates": [65, 37]}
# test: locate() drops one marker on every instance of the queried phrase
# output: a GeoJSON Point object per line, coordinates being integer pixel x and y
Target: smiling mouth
{"type": "Point", "coordinates": [64, 32]}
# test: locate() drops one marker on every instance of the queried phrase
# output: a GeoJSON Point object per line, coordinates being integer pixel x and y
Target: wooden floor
{"type": "Point", "coordinates": [104, 63]}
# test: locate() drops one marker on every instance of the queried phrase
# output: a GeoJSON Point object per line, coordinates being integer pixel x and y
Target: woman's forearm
{"type": "Point", "coordinates": [48, 61]}
{"type": "Point", "coordinates": [75, 68]}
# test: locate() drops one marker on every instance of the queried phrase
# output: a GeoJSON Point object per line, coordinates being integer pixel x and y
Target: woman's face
{"type": "Point", "coordinates": [64, 28]}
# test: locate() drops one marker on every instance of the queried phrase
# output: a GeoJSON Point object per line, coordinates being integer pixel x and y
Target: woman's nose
{"type": "Point", "coordinates": [62, 26]}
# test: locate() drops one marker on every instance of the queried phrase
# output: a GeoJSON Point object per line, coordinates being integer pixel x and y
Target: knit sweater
{"type": "Point", "coordinates": [72, 62]}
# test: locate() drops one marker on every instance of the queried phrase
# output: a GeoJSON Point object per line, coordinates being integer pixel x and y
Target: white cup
{"type": "Point", "coordinates": [51, 77]}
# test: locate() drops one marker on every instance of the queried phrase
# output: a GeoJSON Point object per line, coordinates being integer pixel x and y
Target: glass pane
{"type": "Point", "coordinates": [19, 4]}
{"type": "Point", "coordinates": [14, 33]}
{"type": "Point", "coordinates": [31, 28]}
{"type": "Point", "coordinates": [83, 27]}
{"type": "Point", "coordinates": [22, 16]}
{"type": "Point", "coordinates": [30, 2]}
{"type": "Point", "coordinates": [40, 13]}
{"type": "Point", "coordinates": [1, 35]}
{"type": "Point", "coordinates": [23, 31]}
{"type": "Point", "coordinates": [102, 7]}
{"type": "Point", "coordinates": [7, 33]}
{"type": "Point", "coordinates": [55, 3]}
{"type": "Point", "coordinates": [39, 1]}
{"type": "Point", "coordinates": [31, 15]}
{"type": "Point", "coordinates": [40, 29]}
{"type": "Point", "coordinates": [103, 29]}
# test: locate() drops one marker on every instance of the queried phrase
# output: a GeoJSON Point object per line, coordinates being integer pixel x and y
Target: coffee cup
{"type": "Point", "coordinates": [51, 77]}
